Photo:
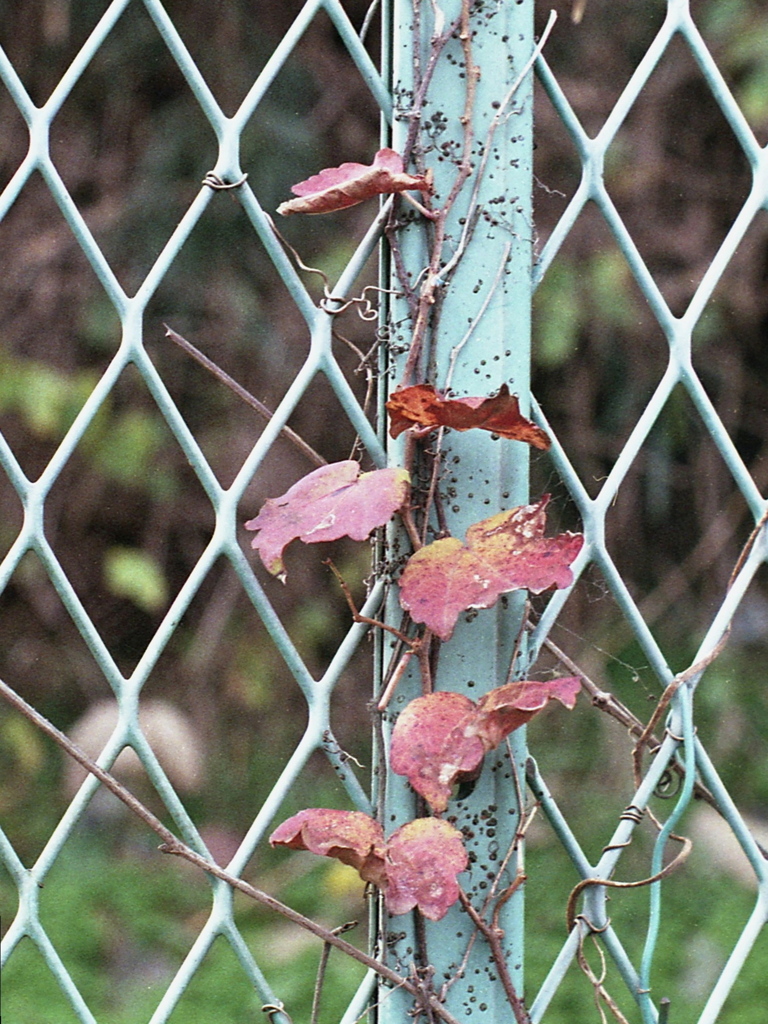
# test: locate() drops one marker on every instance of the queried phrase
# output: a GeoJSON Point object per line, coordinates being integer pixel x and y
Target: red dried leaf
{"type": "Point", "coordinates": [506, 552]}
{"type": "Point", "coordinates": [416, 867]}
{"type": "Point", "coordinates": [441, 739]}
{"type": "Point", "coordinates": [350, 836]}
{"type": "Point", "coordinates": [429, 746]}
{"type": "Point", "coordinates": [423, 859]}
{"type": "Point", "coordinates": [331, 502]}
{"type": "Point", "coordinates": [501, 711]}
{"type": "Point", "coordinates": [422, 406]}
{"type": "Point", "coordinates": [336, 188]}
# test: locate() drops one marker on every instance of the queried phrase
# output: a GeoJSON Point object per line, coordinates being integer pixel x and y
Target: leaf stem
{"type": "Point", "coordinates": [366, 620]}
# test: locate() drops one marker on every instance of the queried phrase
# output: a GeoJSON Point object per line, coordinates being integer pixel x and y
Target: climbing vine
{"type": "Point", "coordinates": [440, 739]}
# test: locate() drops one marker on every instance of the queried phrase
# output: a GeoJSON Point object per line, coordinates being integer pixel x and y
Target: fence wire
{"type": "Point", "coordinates": [224, 541]}
{"type": "Point", "coordinates": [680, 745]}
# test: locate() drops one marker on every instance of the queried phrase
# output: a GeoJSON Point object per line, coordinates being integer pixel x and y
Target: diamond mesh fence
{"type": "Point", "coordinates": [174, 643]}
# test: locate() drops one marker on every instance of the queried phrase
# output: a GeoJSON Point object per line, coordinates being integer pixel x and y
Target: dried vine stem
{"type": "Point", "coordinates": [437, 272]}
{"type": "Point", "coordinates": [419, 645]}
{"type": "Point", "coordinates": [432, 278]}
{"type": "Point", "coordinates": [428, 1001]}
{"type": "Point", "coordinates": [493, 931]}
{"type": "Point", "coordinates": [605, 701]}
{"type": "Point", "coordinates": [424, 307]}
{"type": "Point", "coordinates": [322, 968]}
{"type": "Point", "coordinates": [646, 736]}
{"type": "Point", "coordinates": [494, 936]}
{"type": "Point", "coordinates": [241, 392]}
{"type": "Point", "coordinates": [422, 81]}
{"type": "Point", "coordinates": [571, 917]}
{"type": "Point", "coordinates": [501, 115]}
{"type": "Point", "coordinates": [598, 983]}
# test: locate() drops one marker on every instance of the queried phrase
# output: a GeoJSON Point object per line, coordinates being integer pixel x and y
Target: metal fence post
{"type": "Point", "coordinates": [481, 342]}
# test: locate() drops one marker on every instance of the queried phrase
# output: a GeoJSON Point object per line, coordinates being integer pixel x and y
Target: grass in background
{"type": "Point", "coordinates": [123, 925]}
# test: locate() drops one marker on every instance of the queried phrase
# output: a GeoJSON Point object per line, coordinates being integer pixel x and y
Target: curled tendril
{"type": "Point", "coordinates": [668, 785]}
{"type": "Point", "coordinates": [331, 303]}
{"type": "Point", "coordinates": [365, 310]}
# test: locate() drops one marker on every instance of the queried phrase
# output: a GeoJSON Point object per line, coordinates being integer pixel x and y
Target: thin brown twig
{"type": "Point", "coordinates": [421, 646]}
{"type": "Point", "coordinates": [242, 393]}
{"type": "Point", "coordinates": [602, 699]}
{"type": "Point", "coordinates": [394, 680]}
{"type": "Point", "coordinates": [471, 78]}
{"type": "Point", "coordinates": [406, 512]}
{"type": "Point", "coordinates": [406, 515]}
{"type": "Point", "coordinates": [437, 272]}
{"type": "Point", "coordinates": [413, 643]}
{"type": "Point", "coordinates": [501, 115]}
{"type": "Point", "coordinates": [174, 846]}
{"type": "Point", "coordinates": [508, 891]}
{"type": "Point", "coordinates": [322, 968]}
{"type": "Point", "coordinates": [494, 936]}
{"type": "Point", "coordinates": [598, 983]}
{"type": "Point", "coordinates": [721, 531]}
{"type": "Point", "coordinates": [432, 278]}
{"type": "Point", "coordinates": [364, 365]}
{"type": "Point", "coordinates": [434, 478]}
{"type": "Point", "coordinates": [524, 822]}
{"type": "Point", "coordinates": [524, 624]}
{"type": "Point", "coordinates": [437, 43]}
{"type": "Point", "coordinates": [605, 701]}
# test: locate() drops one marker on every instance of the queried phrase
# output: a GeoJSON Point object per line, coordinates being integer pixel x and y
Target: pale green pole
{"type": "Point", "coordinates": [482, 341]}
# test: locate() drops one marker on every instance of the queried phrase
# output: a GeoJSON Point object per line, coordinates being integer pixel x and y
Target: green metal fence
{"type": "Point", "coordinates": [484, 341]}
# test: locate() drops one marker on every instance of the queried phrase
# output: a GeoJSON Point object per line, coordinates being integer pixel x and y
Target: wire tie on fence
{"type": "Point", "coordinates": [674, 736]}
{"type": "Point", "coordinates": [593, 928]}
{"type": "Point", "coordinates": [272, 1008]}
{"type": "Point", "coordinates": [632, 813]}
{"type": "Point", "coordinates": [218, 185]}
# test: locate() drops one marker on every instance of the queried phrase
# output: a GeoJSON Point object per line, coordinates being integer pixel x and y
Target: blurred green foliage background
{"type": "Point", "coordinates": [128, 519]}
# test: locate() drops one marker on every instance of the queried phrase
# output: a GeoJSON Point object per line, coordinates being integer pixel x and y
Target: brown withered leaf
{"type": "Point", "coordinates": [423, 406]}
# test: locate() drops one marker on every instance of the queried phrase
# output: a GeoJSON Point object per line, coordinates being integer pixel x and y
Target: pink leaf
{"type": "Point", "coordinates": [440, 739]}
{"type": "Point", "coordinates": [429, 746]}
{"type": "Point", "coordinates": [417, 867]}
{"type": "Point", "coordinates": [350, 836]}
{"type": "Point", "coordinates": [423, 859]}
{"type": "Point", "coordinates": [501, 711]}
{"type": "Point", "coordinates": [506, 552]}
{"type": "Point", "coordinates": [331, 502]}
{"type": "Point", "coordinates": [336, 188]}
